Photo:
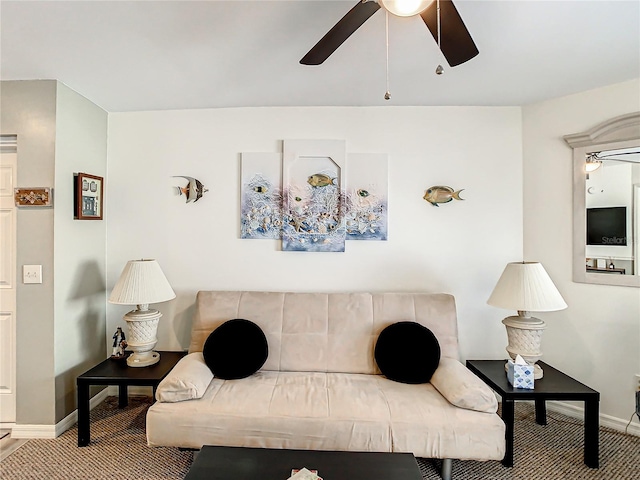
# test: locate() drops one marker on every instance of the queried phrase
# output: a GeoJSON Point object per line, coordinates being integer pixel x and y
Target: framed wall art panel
{"type": "Point", "coordinates": [367, 198]}
{"type": "Point", "coordinates": [313, 195]}
{"type": "Point", "coordinates": [261, 195]}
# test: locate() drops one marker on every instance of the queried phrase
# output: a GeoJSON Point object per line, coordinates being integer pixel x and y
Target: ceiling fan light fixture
{"type": "Point", "coordinates": [405, 8]}
{"type": "Point", "coordinates": [592, 164]}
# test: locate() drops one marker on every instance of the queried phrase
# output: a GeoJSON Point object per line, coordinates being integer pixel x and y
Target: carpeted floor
{"type": "Point", "coordinates": [118, 450]}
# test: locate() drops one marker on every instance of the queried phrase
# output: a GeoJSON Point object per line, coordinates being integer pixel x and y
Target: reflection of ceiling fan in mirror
{"type": "Point", "coordinates": [448, 30]}
{"type": "Point", "coordinates": [631, 154]}
{"type": "Point", "coordinates": [624, 155]}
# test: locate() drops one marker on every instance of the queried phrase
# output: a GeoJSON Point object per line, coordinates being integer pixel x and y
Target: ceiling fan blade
{"type": "Point", "coordinates": [340, 32]}
{"type": "Point", "coordinates": [456, 43]}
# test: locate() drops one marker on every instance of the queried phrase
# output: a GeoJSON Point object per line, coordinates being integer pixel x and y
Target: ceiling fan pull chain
{"type": "Point", "coordinates": [439, 68]}
{"type": "Point", "coordinates": [387, 94]}
{"type": "Point", "coordinates": [438, 10]}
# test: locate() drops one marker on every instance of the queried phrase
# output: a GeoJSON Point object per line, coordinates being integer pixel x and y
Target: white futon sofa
{"type": "Point", "coordinates": [320, 387]}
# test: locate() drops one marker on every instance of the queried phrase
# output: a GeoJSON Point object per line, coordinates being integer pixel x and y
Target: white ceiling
{"type": "Point", "coordinates": [157, 55]}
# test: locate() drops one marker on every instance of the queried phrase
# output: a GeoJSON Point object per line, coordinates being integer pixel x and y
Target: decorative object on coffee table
{"type": "Point", "coordinates": [526, 287]}
{"type": "Point", "coordinates": [141, 283]}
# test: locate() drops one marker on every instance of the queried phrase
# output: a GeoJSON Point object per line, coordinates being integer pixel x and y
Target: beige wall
{"type": "Point", "coordinates": [28, 109]}
{"type": "Point", "coordinates": [60, 331]}
{"type": "Point", "coordinates": [596, 339]}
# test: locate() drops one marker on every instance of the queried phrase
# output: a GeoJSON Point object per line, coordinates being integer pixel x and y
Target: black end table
{"type": "Point", "coordinates": [117, 372]}
{"type": "Point", "coordinates": [555, 385]}
{"type": "Point", "coordinates": [233, 463]}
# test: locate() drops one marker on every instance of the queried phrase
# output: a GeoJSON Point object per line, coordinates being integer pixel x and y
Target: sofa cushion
{"type": "Point", "coordinates": [331, 332]}
{"type": "Point", "coordinates": [236, 349]}
{"type": "Point", "coordinates": [407, 352]}
{"type": "Point", "coordinates": [327, 411]}
{"type": "Point", "coordinates": [462, 388]}
{"type": "Point", "coordinates": [189, 379]}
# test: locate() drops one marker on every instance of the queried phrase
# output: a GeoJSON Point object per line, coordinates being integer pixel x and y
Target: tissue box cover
{"type": "Point", "coordinates": [520, 376]}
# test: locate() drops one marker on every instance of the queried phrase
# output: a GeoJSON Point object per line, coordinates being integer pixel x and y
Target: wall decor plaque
{"type": "Point", "coordinates": [33, 197]}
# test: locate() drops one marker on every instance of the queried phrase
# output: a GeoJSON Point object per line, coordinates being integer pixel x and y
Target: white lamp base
{"type": "Point", "coordinates": [525, 338]}
{"type": "Point", "coordinates": [143, 359]}
{"type": "Point", "coordinates": [143, 325]}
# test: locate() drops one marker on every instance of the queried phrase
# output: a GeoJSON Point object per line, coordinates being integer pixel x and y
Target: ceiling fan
{"type": "Point", "coordinates": [448, 30]}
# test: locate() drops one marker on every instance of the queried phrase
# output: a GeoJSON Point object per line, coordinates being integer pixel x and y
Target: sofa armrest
{"type": "Point", "coordinates": [189, 379]}
{"type": "Point", "coordinates": [462, 388]}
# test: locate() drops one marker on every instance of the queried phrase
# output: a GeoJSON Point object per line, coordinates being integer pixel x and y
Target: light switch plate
{"type": "Point", "coordinates": [32, 274]}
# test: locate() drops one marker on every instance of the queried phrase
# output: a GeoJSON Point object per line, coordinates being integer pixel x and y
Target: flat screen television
{"type": "Point", "coordinates": [607, 226]}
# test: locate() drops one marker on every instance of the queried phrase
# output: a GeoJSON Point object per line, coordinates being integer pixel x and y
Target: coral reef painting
{"type": "Point", "coordinates": [310, 200]}
{"type": "Point", "coordinates": [261, 196]}
{"type": "Point", "coordinates": [367, 197]}
{"type": "Point", "coordinates": [313, 196]}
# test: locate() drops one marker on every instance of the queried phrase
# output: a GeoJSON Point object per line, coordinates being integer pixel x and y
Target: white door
{"type": "Point", "coordinates": [8, 175]}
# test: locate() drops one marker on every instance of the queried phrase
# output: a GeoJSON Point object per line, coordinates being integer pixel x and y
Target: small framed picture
{"type": "Point", "coordinates": [89, 197]}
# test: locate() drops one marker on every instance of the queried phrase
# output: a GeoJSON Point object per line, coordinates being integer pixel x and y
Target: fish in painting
{"type": "Point", "coordinates": [441, 194]}
{"type": "Point", "coordinates": [363, 193]}
{"type": "Point", "coordinates": [193, 190]}
{"type": "Point", "coordinates": [260, 189]}
{"type": "Point", "coordinates": [320, 180]}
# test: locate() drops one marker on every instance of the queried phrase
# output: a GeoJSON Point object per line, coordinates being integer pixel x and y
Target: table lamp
{"type": "Point", "coordinates": [526, 287]}
{"type": "Point", "coordinates": [141, 283]}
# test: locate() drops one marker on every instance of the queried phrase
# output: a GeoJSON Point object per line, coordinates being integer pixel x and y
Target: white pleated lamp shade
{"type": "Point", "coordinates": [141, 283]}
{"type": "Point", "coordinates": [526, 286]}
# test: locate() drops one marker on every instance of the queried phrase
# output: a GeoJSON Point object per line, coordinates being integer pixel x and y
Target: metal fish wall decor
{"type": "Point", "coordinates": [441, 194]}
{"type": "Point", "coordinates": [193, 191]}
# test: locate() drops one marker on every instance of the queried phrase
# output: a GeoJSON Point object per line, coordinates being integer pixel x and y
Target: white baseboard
{"type": "Point", "coordinates": [609, 421]}
{"type": "Point", "coordinates": [33, 431]}
{"type": "Point", "coordinates": [53, 431]}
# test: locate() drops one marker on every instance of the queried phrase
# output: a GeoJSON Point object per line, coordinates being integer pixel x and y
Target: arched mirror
{"type": "Point", "coordinates": [606, 202]}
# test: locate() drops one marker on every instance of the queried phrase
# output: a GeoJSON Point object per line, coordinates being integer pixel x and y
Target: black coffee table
{"type": "Point", "coordinates": [117, 372]}
{"type": "Point", "coordinates": [555, 385]}
{"type": "Point", "coordinates": [241, 463]}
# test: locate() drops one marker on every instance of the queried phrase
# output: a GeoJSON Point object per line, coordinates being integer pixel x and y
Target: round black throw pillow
{"type": "Point", "coordinates": [236, 349]}
{"type": "Point", "coordinates": [407, 352]}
